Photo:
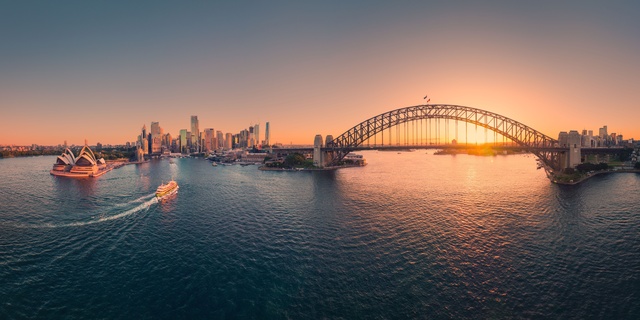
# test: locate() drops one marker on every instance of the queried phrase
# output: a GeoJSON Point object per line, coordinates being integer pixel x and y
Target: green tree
{"type": "Point", "coordinates": [294, 159]}
{"type": "Point", "coordinates": [625, 154]}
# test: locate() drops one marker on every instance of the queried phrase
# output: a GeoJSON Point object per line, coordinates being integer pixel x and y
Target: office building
{"type": "Point", "coordinates": [228, 141]}
{"type": "Point", "coordinates": [209, 140]}
{"type": "Point", "coordinates": [156, 138]}
{"type": "Point", "coordinates": [195, 134]}
{"type": "Point", "coordinates": [183, 141]}
{"type": "Point", "coordinates": [256, 134]}
{"type": "Point", "coordinates": [142, 140]}
{"type": "Point", "coordinates": [219, 140]}
{"type": "Point", "coordinates": [266, 134]}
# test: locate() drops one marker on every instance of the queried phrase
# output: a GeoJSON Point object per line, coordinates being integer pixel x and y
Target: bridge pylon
{"type": "Point", "coordinates": [318, 159]}
{"type": "Point", "coordinates": [321, 156]}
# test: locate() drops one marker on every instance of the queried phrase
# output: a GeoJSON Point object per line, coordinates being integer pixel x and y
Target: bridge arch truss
{"type": "Point", "coordinates": [541, 145]}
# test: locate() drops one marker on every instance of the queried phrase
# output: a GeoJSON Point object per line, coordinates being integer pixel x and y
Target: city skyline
{"type": "Point", "coordinates": [102, 70]}
{"type": "Point", "coordinates": [197, 140]}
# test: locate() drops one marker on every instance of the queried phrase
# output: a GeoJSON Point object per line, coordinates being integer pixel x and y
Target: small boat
{"type": "Point", "coordinates": [166, 189]}
{"type": "Point", "coordinates": [214, 164]}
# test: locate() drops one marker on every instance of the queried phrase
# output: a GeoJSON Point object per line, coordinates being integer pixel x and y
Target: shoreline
{"type": "Point", "coordinates": [588, 176]}
{"type": "Point", "coordinates": [263, 168]}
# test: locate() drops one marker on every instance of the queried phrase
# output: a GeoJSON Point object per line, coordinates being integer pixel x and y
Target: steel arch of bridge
{"type": "Point", "coordinates": [533, 140]}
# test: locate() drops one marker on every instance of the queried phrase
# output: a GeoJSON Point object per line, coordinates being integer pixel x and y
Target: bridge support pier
{"type": "Point", "coordinates": [318, 156]}
{"type": "Point", "coordinates": [573, 156]}
{"type": "Point", "coordinates": [327, 157]}
{"type": "Point", "coordinates": [322, 158]}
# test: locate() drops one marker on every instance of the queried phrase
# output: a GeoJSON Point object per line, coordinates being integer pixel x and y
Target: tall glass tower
{"type": "Point", "coordinates": [256, 134]}
{"type": "Point", "coordinates": [195, 133]}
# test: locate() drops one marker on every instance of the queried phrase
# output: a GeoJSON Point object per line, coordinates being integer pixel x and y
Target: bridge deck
{"type": "Point", "coordinates": [452, 147]}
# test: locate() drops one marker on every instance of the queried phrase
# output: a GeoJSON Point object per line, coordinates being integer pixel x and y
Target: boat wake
{"type": "Point", "coordinates": [145, 203]}
{"type": "Point", "coordinates": [141, 199]}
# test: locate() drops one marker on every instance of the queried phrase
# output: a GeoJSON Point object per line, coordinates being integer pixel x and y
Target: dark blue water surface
{"type": "Point", "coordinates": [411, 235]}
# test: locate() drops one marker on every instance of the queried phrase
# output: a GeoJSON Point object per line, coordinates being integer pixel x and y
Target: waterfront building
{"type": "Point", "coordinates": [355, 159]}
{"type": "Point", "coordinates": [65, 161]}
{"type": "Point", "coordinates": [86, 162]}
{"type": "Point", "coordinates": [195, 133]}
{"type": "Point", "coordinates": [84, 165]}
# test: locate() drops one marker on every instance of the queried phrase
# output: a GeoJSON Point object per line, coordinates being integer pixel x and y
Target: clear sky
{"type": "Point", "coordinates": [99, 70]}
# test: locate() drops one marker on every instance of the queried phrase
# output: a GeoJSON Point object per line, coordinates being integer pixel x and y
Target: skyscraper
{"type": "Point", "coordinates": [156, 138]}
{"type": "Point", "coordinates": [250, 137]}
{"type": "Point", "coordinates": [183, 141]}
{"type": "Point", "coordinates": [195, 133]}
{"type": "Point", "coordinates": [220, 139]}
{"type": "Point", "coordinates": [209, 137]}
{"type": "Point", "coordinates": [166, 143]}
{"type": "Point", "coordinates": [228, 141]}
{"type": "Point", "coordinates": [266, 134]}
{"type": "Point", "coordinates": [143, 139]}
{"type": "Point", "coordinates": [256, 133]}
{"type": "Point", "coordinates": [604, 136]}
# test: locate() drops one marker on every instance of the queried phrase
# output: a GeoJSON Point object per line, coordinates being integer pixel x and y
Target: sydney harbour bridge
{"type": "Point", "coordinates": [438, 126]}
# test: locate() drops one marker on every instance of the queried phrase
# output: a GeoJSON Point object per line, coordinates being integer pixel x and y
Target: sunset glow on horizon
{"type": "Point", "coordinates": [100, 71]}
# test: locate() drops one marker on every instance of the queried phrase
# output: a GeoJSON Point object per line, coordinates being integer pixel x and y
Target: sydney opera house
{"type": "Point", "coordinates": [84, 165]}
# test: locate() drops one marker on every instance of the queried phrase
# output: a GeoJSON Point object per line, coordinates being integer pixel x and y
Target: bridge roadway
{"type": "Point", "coordinates": [601, 150]}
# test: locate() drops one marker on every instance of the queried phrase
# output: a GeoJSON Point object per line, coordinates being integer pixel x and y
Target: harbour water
{"type": "Point", "coordinates": [411, 235]}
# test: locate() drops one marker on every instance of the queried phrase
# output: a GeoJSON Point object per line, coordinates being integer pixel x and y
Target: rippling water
{"type": "Point", "coordinates": [411, 235]}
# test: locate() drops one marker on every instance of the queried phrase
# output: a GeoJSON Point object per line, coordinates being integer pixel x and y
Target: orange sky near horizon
{"type": "Point", "coordinates": [310, 69]}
